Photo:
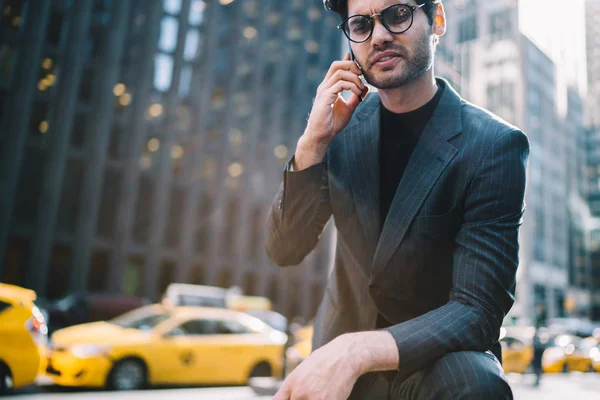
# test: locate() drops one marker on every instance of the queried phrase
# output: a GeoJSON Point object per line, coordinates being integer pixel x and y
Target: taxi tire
{"type": "Point", "coordinates": [130, 361]}
{"type": "Point", "coordinates": [5, 375]}
{"type": "Point", "coordinates": [261, 370]}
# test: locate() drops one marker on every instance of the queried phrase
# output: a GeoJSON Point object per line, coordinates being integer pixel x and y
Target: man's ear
{"type": "Point", "coordinates": [439, 20]}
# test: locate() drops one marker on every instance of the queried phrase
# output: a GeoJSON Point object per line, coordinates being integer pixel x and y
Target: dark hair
{"type": "Point", "coordinates": [341, 7]}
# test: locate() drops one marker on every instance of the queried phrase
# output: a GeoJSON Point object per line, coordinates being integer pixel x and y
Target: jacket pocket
{"type": "Point", "coordinates": [440, 226]}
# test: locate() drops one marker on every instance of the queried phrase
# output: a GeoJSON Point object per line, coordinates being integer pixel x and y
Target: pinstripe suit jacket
{"type": "Point", "coordinates": [443, 267]}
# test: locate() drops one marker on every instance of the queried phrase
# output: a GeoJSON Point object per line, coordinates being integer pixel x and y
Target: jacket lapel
{"type": "Point", "coordinates": [361, 142]}
{"type": "Point", "coordinates": [429, 159]}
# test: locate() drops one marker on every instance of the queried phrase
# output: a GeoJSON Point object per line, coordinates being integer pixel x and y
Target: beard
{"type": "Point", "coordinates": [416, 64]}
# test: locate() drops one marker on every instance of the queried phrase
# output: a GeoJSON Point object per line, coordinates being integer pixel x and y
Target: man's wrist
{"type": "Point", "coordinates": [309, 153]}
{"type": "Point", "coordinates": [372, 351]}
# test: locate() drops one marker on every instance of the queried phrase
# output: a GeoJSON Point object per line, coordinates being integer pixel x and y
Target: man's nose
{"type": "Point", "coordinates": [380, 34]}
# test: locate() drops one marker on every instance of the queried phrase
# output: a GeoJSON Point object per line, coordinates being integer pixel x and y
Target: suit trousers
{"type": "Point", "coordinates": [455, 376]}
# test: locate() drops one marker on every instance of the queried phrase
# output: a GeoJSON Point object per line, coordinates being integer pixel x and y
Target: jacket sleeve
{"type": "Point", "coordinates": [298, 214]}
{"type": "Point", "coordinates": [485, 262]}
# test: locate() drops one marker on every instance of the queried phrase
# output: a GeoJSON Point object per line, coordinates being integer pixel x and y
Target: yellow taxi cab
{"type": "Point", "coordinates": [166, 345]}
{"type": "Point", "coordinates": [566, 354]}
{"type": "Point", "coordinates": [517, 354]}
{"type": "Point", "coordinates": [23, 330]}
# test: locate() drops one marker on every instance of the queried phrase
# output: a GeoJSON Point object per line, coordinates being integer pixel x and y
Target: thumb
{"type": "Point", "coordinates": [283, 393]}
{"type": "Point", "coordinates": [353, 102]}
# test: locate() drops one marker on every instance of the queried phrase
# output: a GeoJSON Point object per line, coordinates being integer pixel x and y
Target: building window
{"type": "Point", "coordinates": [133, 276]}
{"type": "Point", "coordinates": [71, 192]}
{"type": "Point", "coordinates": [197, 274]}
{"type": "Point", "coordinates": [172, 6]}
{"type": "Point", "coordinates": [467, 29]}
{"type": "Point", "coordinates": [15, 261]}
{"type": "Point", "coordinates": [109, 203]}
{"type": "Point", "coordinates": [230, 228]}
{"type": "Point", "coordinates": [99, 271]}
{"type": "Point", "coordinates": [57, 284]}
{"type": "Point", "coordinates": [250, 283]}
{"type": "Point", "coordinates": [201, 235]}
{"type": "Point", "coordinates": [500, 25]}
{"type": "Point", "coordinates": [197, 12]}
{"type": "Point", "coordinates": [144, 209]}
{"type": "Point", "coordinates": [224, 277]}
{"type": "Point", "coordinates": [163, 72]}
{"type": "Point", "coordinates": [167, 275]}
{"type": "Point", "coordinates": [29, 186]}
{"type": "Point", "coordinates": [175, 221]}
{"type": "Point", "coordinates": [168, 34]}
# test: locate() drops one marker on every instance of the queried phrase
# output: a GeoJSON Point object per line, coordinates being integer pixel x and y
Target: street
{"type": "Point", "coordinates": [553, 387]}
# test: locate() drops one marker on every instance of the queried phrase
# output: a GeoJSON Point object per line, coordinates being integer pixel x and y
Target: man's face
{"type": "Point", "coordinates": [412, 52]}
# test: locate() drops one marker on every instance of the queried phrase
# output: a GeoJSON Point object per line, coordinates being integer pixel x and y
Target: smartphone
{"type": "Point", "coordinates": [361, 77]}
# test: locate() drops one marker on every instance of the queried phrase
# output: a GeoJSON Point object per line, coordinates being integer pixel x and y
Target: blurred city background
{"type": "Point", "coordinates": [142, 141]}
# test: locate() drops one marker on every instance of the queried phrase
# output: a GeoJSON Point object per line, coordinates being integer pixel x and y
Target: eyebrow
{"type": "Point", "coordinates": [405, 2]}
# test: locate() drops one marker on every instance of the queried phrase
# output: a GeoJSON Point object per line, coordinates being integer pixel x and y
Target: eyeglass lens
{"type": "Point", "coordinates": [396, 19]}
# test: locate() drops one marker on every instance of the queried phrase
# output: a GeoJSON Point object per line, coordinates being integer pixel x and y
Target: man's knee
{"type": "Point", "coordinates": [470, 375]}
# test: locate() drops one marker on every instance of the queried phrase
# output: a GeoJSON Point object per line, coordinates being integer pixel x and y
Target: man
{"type": "Point", "coordinates": [426, 192]}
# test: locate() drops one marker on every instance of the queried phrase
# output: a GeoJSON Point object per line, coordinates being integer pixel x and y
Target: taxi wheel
{"type": "Point", "coordinates": [6, 381]}
{"type": "Point", "coordinates": [127, 374]}
{"type": "Point", "coordinates": [261, 370]}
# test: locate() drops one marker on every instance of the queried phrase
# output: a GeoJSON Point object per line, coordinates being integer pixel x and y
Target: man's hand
{"type": "Point", "coordinates": [332, 370]}
{"type": "Point", "coordinates": [330, 112]}
{"type": "Point", "coordinates": [329, 374]}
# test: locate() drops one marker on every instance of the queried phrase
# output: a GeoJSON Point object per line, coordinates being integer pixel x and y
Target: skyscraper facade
{"type": "Point", "coordinates": [143, 140]}
{"type": "Point", "coordinates": [592, 13]}
{"type": "Point", "coordinates": [507, 72]}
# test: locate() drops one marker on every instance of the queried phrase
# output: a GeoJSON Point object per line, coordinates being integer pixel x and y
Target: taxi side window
{"type": "Point", "coordinates": [231, 327]}
{"type": "Point", "coordinates": [199, 327]}
{"type": "Point", "coordinates": [4, 306]}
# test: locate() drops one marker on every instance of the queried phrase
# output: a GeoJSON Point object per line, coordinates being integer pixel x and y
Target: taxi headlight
{"type": "Point", "coordinates": [88, 350]}
{"type": "Point", "coordinates": [552, 355]}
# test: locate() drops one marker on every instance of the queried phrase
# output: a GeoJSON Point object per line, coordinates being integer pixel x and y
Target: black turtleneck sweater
{"type": "Point", "coordinates": [399, 134]}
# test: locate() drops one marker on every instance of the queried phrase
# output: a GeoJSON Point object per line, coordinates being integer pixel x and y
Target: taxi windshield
{"type": "Point", "coordinates": [144, 319]}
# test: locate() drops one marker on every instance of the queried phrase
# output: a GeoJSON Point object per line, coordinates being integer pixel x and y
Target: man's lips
{"type": "Point", "coordinates": [385, 56]}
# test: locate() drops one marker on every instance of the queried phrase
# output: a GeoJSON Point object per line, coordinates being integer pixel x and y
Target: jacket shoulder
{"type": "Point", "coordinates": [482, 129]}
{"type": "Point", "coordinates": [477, 121]}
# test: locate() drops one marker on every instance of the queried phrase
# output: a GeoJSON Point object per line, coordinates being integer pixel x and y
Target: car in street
{"type": "Point", "coordinates": [517, 354]}
{"type": "Point", "coordinates": [566, 353]}
{"type": "Point", "coordinates": [165, 345]}
{"type": "Point", "coordinates": [23, 331]}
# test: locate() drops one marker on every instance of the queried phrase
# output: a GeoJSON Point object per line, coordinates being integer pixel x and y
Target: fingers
{"type": "Point", "coordinates": [345, 76]}
{"type": "Point", "coordinates": [283, 393]}
{"type": "Point", "coordinates": [347, 56]}
{"type": "Point", "coordinates": [340, 86]}
{"type": "Point", "coordinates": [345, 65]}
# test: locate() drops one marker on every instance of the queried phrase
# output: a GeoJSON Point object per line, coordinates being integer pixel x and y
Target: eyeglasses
{"type": "Point", "coordinates": [396, 19]}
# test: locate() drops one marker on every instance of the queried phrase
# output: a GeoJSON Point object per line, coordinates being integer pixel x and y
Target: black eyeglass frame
{"type": "Point", "coordinates": [371, 20]}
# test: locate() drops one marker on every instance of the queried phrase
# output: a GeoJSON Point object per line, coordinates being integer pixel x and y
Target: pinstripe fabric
{"type": "Point", "coordinates": [455, 376]}
{"type": "Point", "coordinates": [443, 268]}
